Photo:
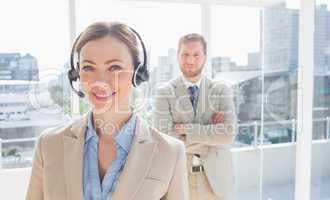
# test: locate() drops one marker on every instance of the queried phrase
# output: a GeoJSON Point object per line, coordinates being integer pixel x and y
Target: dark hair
{"type": "Point", "coordinates": [193, 37]}
{"type": "Point", "coordinates": [117, 30]}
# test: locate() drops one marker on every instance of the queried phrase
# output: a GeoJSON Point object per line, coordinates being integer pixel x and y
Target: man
{"type": "Point", "coordinates": [200, 112]}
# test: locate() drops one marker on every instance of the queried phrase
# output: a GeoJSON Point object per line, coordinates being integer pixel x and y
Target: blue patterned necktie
{"type": "Point", "coordinates": [193, 92]}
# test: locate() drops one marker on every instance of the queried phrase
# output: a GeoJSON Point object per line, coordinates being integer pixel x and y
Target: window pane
{"type": "Point", "coordinates": [280, 69]}
{"type": "Point", "coordinates": [256, 52]}
{"type": "Point", "coordinates": [33, 55]}
{"type": "Point", "coordinates": [236, 60]}
{"type": "Point", "coordinates": [321, 109]}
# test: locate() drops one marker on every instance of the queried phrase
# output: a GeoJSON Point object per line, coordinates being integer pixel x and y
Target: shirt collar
{"type": "Point", "coordinates": [123, 138]}
{"type": "Point", "coordinates": [90, 127]}
{"type": "Point", "coordinates": [188, 84]}
{"type": "Point", "coordinates": [125, 135]}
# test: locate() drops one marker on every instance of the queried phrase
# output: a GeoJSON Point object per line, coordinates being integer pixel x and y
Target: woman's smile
{"type": "Point", "coordinates": [103, 96]}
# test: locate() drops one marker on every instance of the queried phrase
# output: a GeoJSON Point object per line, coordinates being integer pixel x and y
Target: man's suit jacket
{"type": "Point", "coordinates": [173, 106]}
{"type": "Point", "coordinates": [155, 166]}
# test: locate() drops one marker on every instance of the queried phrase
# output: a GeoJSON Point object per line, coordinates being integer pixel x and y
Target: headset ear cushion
{"type": "Point", "coordinates": [73, 75]}
{"type": "Point", "coordinates": [143, 74]}
{"type": "Point", "coordinates": [140, 75]}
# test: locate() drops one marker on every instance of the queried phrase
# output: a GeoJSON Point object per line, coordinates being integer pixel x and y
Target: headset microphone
{"type": "Point", "coordinates": [80, 94]}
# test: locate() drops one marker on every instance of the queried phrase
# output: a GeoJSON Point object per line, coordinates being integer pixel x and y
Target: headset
{"type": "Point", "coordinates": [140, 75]}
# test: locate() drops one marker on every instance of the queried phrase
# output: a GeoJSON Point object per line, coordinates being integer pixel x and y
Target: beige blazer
{"type": "Point", "coordinates": [155, 166]}
{"type": "Point", "coordinates": [172, 105]}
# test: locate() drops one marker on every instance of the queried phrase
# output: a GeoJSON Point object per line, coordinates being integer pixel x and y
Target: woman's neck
{"type": "Point", "coordinates": [109, 123]}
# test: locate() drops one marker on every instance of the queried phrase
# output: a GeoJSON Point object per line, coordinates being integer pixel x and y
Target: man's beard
{"type": "Point", "coordinates": [192, 74]}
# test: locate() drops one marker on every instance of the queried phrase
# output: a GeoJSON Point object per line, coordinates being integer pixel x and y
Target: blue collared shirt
{"type": "Point", "coordinates": [94, 189]}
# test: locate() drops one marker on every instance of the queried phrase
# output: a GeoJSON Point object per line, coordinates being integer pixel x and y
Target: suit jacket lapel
{"type": "Point", "coordinates": [183, 99]}
{"type": "Point", "coordinates": [137, 165]}
{"type": "Point", "coordinates": [73, 158]}
{"type": "Point", "coordinates": [202, 97]}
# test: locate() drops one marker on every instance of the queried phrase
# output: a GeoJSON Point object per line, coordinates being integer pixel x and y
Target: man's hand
{"type": "Point", "coordinates": [179, 129]}
{"type": "Point", "coordinates": [218, 117]}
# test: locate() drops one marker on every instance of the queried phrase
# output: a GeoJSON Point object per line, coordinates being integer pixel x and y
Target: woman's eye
{"type": "Point", "coordinates": [87, 68]}
{"type": "Point", "coordinates": [115, 67]}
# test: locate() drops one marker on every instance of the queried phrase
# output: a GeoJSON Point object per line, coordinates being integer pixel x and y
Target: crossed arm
{"type": "Point", "coordinates": [219, 131]}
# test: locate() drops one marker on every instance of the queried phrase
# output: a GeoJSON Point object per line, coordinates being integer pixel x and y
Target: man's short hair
{"type": "Point", "coordinates": [193, 37]}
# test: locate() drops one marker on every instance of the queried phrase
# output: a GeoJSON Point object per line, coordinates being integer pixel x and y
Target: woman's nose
{"type": "Point", "coordinates": [102, 77]}
{"type": "Point", "coordinates": [100, 86]}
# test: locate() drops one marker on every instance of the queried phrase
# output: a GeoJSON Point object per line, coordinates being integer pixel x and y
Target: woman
{"type": "Point", "coordinates": [108, 153]}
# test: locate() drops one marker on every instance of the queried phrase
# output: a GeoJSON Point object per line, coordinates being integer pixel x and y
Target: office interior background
{"type": "Point", "coordinates": [275, 54]}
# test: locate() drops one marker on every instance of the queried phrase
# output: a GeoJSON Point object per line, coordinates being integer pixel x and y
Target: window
{"type": "Point", "coordinates": [321, 105]}
{"type": "Point", "coordinates": [33, 61]}
{"type": "Point", "coordinates": [236, 60]}
{"type": "Point", "coordinates": [255, 50]}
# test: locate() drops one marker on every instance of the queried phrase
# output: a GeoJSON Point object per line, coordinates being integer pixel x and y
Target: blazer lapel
{"type": "Point", "coordinates": [73, 158]}
{"type": "Point", "coordinates": [183, 99]}
{"type": "Point", "coordinates": [202, 97]}
{"type": "Point", "coordinates": [137, 165]}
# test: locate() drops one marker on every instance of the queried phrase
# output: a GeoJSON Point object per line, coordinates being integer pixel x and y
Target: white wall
{"type": "Point", "coordinates": [278, 169]}
{"type": "Point", "coordinates": [13, 183]}
{"type": "Point", "coordinates": [278, 163]}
